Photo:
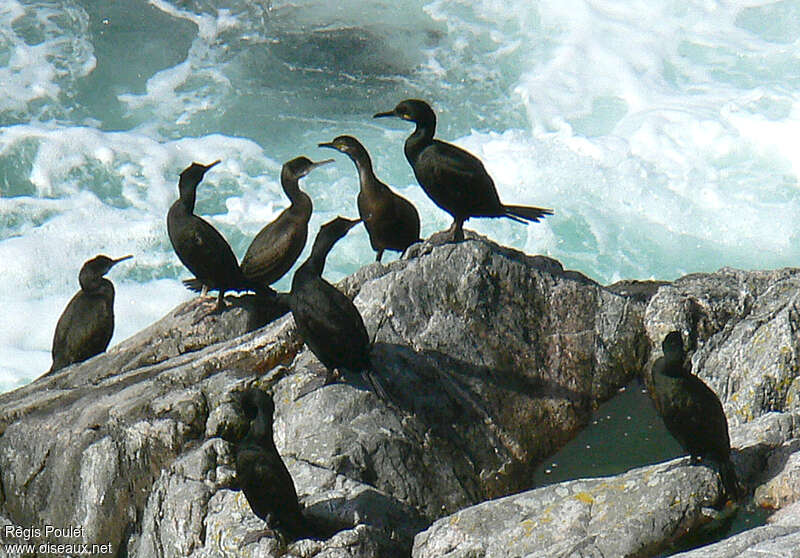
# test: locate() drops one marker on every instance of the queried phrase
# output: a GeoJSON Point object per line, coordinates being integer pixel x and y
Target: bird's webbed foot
{"type": "Point", "coordinates": [456, 232]}
{"type": "Point", "coordinates": [332, 376]}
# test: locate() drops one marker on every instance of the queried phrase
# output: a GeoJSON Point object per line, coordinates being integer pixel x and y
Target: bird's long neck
{"type": "Point", "coordinates": [673, 366]}
{"type": "Point", "coordinates": [315, 264]}
{"type": "Point", "coordinates": [92, 283]}
{"type": "Point", "coordinates": [420, 139]}
{"type": "Point", "coordinates": [291, 186]}
{"type": "Point", "coordinates": [366, 176]}
{"type": "Point", "coordinates": [188, 193]}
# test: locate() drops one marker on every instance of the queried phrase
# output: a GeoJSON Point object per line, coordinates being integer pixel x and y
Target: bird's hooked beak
{"type": "Point", "coordinates": [319, 164]}
{"type": "Point", "coordinates": [328, 144]}
{"type": "Point", "coordinates": [352, 222]}
{"type": "Point", "coordinates": [218, 161]}
{"type": "Point", "coordinates": [385, 114]}
{"type": "Point", "coordinates": [122, 259]}
{"type": "Point", "coordinates": [312, 166]}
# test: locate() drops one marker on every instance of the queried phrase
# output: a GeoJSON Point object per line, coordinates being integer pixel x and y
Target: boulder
{"type": "Point", "coordinates": [742, 330]}
{"type": "Point", "coordinates": [492, 359]}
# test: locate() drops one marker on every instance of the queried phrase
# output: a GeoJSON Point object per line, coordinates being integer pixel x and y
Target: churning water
{"type": "Point", "coordinates": [663, 133]}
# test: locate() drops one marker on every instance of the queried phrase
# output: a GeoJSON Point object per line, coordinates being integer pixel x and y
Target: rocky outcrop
{"type": "Point", "coordinates": [491, 359]}
{"type": "Point", "coordinates": [616, 516]}
{"type": "Point", "coordinates": [744, 332]}
{"type": "Point", "coordinates": [742, 328]}
{"type": "Point", "coordinates": [637, 513]}
{"type": "Point", "coordinates": [780, 538]}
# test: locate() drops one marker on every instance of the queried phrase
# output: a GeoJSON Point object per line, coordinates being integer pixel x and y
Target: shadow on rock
{"type": "Point", "coordinates": [497, 420]}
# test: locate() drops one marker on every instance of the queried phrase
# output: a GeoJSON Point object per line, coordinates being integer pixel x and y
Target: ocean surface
{"type": "Point", "coordinates": [663, 133]}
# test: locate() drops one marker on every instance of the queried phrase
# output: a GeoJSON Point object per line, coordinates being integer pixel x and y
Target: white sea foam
{"type": "Point", "coordinates": [661, 133]}
{"type": "Point", "coordinates": [45, 49]}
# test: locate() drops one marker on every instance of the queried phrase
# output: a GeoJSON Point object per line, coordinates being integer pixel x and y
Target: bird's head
{"type": "Point", "coordinates": [345, 144]}
{"type": "Point", "coordinates": [673, 346]}
{"type": "Point", "coordinates": [300, 166]}
{"type": "Point", "coordinates": [255, 401]}
{"type": "Point", "coordinates": [413, 110]}
{"type": "Point", "coordinates": [92, 270]}
{"type": "Point", "coordinates": [193, 174]}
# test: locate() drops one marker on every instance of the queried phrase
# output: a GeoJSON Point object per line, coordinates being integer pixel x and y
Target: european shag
{"type": "Point", "coordinates": [262, 474]}
{"type": "Point", "coordinates": [87, 324]}
{"type": "Point", "coordinates": [392, 222]}
{"type": "Point", "coordinates": [326, 319]}
{"type": "Point", "coordinates": [692, 412]}
{"type": "Point", "coordinates": [200, 247]}
{"type": "Point", "coordinates": [453, 178]}
{"type": "Point", "coordinates": [278, 245]}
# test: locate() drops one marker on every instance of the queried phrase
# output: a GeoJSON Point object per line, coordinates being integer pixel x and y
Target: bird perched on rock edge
{"type": "Point", "coordinates": [692, 412]}
{"type": "Point", "coordinates": [453, 178]}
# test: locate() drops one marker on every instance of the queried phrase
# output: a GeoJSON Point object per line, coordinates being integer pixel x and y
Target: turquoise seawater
{"type": "Point", "coordinates": [662, 133]}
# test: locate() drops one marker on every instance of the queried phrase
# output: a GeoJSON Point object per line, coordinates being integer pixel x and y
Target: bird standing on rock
{"type": "Point", "coordinates": [326, 319]}
{"type": "Point", "coordinates": [392, 222]}
{"type": "Point", "coordinates": [200, 247]}
{"type": "Point", "coordinates": [278, 245]}
{"type": "Point", "coordinates": [262, 474]}
{"type": "Point", "coordinates": [87, 324]}
{"type": "Point", "coordinates": [453, 178]}
{"type": "Point", "coordinates": [692, 412]}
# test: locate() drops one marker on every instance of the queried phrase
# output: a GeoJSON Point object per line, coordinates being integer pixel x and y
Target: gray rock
{"type": "Point", "coordinates": [741, 327]}
{"type": "Point", "coordinates": [779, 539]}
{"type": "Point", "coordinates": [637, 513]}
{"type": "Point", "coordinates": [615, 516]}
{"type": "Point", "coordinates": [505, 340]}
{"type": "Point", "coordinates": [491, 359]}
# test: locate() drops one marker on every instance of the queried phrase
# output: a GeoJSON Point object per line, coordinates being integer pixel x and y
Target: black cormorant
{"type": "Point", "coordinates": [453, 178]}
{"type": "Point", "coordinates": [278, 245]}
{"type": "Point", "coordinates": [200, 247]}
{"type": "Point", "coordinates": [262, 475]}
{"type": "Point", "coordinates": [392, 222]}
{"type": "Point", "coordinates": [326, 319]}
{"type": "Point", "coordinates": [87, 324]}
{"type": "Point", "coordinates": [692, 412]}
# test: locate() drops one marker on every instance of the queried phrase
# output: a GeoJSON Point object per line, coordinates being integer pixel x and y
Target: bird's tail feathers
{"type": "Point", "coordinates": [298, 528]}
{"type": "Point", "coordinates": [730, 483]}
{"type": "Point", "coordinates": [376, 386]}
{"type": "Point", "coordinates": [196, 285]}
{"type": "Point", "coordinates": [309, 527]}
{"type": "Point", "coordinates": [524, 213]}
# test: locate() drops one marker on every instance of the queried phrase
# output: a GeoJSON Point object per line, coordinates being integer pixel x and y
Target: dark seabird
{"type": "Point", "coordinates": [692, 412]}
{"type": "Point", "coordinates": [200, 247]}
{"type": "Point", "coordinates": [392, 222]}
{"type": "Point", "coordinates": [453, 178]}
{"type": "Point", "coordinates": [262, 475]}
{"type": "Point", "coordinates": [87, 324]}
{"type": "Point", "coordinates": [326, 319]}
{"type": "Point", "coordinates": [275, 249]}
